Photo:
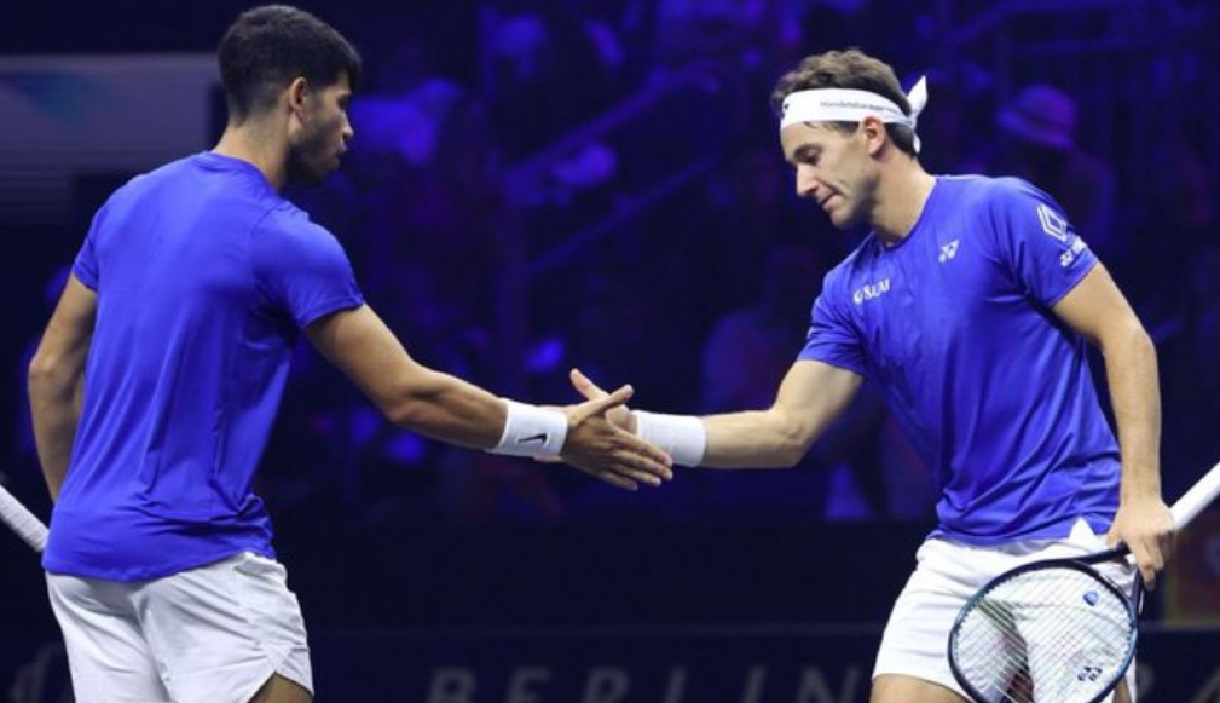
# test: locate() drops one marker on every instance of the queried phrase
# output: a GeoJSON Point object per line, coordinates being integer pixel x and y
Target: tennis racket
{"type": "Point", "coordinates": [22, 521]}
{"type": "Point", "coordinates": [1057, 630]}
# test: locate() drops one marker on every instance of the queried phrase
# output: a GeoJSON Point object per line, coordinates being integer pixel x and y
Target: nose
{"type": "Point", "coordinates": [807, 183]}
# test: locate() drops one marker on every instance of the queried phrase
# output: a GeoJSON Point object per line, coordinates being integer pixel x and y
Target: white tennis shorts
{"type": "Point", "coordinates": [214, 634]}
{"type": "Point", "coordinates": [947, 574]}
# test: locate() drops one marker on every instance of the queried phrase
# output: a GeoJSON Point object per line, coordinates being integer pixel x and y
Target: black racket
{"type": "Point", "coordinates": [1057, 630]}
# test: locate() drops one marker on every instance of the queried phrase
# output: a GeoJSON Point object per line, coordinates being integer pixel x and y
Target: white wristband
{"type": "Point", "coordinates": [532, 431]}
{"type": "Point", "coordinates": [683, 437]}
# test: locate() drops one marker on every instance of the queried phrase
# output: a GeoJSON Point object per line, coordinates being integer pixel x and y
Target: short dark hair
{"type": "Point", "coordinates": [851, 69]}
{"type": "Point", "coordinates": [268, 47]}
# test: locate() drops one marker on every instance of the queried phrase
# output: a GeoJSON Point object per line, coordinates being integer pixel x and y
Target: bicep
{"type": "Point", "coordinates": [1095, 307]}
{"type": "Point", "coordinates": [813, 394]}
{"type": "Point", "coordinates": [65, 343]}
{"type": "Point", "coordinates": [358, 343]}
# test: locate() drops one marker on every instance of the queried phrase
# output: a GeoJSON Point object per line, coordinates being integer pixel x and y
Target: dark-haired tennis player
{"type": "Point", "coordinates": [177, 326]}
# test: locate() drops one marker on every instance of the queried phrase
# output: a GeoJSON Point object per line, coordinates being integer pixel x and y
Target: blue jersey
{"type": "Point", "coordinates": [954, 322]}
{"type": "Point", "coordinates": [204, 276]}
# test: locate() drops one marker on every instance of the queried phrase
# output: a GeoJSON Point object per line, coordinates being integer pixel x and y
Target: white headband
{"type": "Point", "coordinates": [844, 105]}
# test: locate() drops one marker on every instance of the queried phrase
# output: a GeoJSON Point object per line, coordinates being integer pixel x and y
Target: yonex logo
{"type": "Point", "coordinates": [948, 251]}
{"type": "Point", "coordinates": [1089, 673]}
{"type": "Point", "coordinates": [1067, 257]}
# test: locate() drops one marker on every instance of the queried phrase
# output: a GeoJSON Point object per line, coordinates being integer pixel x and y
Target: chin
{"type": "Point", "coordinates": [841, 220]}
{"type": "Point", "coordinates": [308, 178]}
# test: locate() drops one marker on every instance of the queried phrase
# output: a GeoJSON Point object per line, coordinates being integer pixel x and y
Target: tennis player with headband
{"type": "Point", "coordinates": [970, 303]}
{"type": "Point", "coordinates": [178, 323]}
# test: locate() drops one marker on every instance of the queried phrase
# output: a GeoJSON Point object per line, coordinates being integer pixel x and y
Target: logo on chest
{"type": "Point", "coordinates": [871, 291]}
{"type": "Point", "coordinates": [948, 251]}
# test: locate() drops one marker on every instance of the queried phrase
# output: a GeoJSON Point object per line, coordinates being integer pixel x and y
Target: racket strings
{"type": "Point", "coordinates": [1054, 635]}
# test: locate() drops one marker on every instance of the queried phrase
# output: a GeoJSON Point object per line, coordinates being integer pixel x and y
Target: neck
{"type": "Point", "coordinates": [259, 144]}
{"type": "Point", "coordinates": [902, 191]}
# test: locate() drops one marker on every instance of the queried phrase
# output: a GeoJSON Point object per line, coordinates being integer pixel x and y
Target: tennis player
{"type": "Point", "coordinates": [157, 380]}
{"type": "Point", "coordinates": [970, 303]}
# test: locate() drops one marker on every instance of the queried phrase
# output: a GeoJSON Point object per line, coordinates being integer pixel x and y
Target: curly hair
{"type": "Point", "coordinates": [851, 69]}
{"type": "Point", "coordinates": [267, 47]}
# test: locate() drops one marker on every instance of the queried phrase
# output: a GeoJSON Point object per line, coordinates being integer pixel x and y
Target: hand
{"type": "Point", "coordinates": [619, 416]}
{"type": "Point", "coordinates": [1146, 526]}
{"type": "Point", "coordinates": [605, 450]}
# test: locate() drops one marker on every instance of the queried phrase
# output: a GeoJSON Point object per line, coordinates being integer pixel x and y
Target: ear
{"type": "Point", "coordinates": [875, 136]}
{"type": "Point", "coordinates": [297, 93]}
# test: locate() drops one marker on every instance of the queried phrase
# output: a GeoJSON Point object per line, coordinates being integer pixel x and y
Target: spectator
{"type": "Point", "coordinates": [1037, 143]}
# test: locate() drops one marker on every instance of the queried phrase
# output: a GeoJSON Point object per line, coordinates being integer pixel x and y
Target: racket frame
{"type": "Point", "coordinates": [1083, 564]}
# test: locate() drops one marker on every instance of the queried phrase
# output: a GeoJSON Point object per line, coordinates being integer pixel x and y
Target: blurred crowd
{"type": "Point", "coordinates": [603, 189]}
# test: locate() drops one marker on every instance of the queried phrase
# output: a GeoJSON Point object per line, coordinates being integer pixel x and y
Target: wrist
{"type": "Point", "coordinates": [1133, 498]}
{"type": "Point", "coordinates": [1141, 478]}
{"type": "Point", "coordinates": [683, 437]}
{"type": "Point", "coordinates": [531, 431]}
{"type": "Point", "coordinates": [1138, 489]}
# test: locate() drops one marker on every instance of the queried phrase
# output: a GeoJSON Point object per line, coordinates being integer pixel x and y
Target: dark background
{"type": "Point", "coordinates": [672, 255]}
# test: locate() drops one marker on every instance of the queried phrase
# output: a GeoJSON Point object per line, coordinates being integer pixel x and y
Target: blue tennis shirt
{"type": "Point", "coordinates": [955, 323]}
{"type": "Point", "coordinates": [204, 276]}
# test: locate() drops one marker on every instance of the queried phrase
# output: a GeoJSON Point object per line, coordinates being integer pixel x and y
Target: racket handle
{"type": "Point", "coordinates": [1197, 498]}
{"type": "Point", "coordinates": [22, 521]}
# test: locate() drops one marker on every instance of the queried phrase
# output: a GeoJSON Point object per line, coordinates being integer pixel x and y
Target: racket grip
{"type": "Point", "coordinates": [22, 521]}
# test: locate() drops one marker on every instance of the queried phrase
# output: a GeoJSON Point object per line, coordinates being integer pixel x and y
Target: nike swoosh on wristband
{"type": "Point", "coordinates": [540, 438]}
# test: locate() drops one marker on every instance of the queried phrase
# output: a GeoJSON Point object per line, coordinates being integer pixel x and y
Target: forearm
{"type": "Point", "coordinates": [809, 399]}
{"type": "Point", "coordinates": [754, 439]}
{"type": "Point", "coordinates": [1131, 370]}
{"type": "Point", "coordinates": [426, 401]}
{"type": "Point", "coordinates": [55, 412]}
{"type": "Point", "coordinates": [449, 409]}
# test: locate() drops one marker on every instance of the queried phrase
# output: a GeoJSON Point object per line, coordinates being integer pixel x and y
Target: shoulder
{"type": "Point", "coordinates": [1005, 203]}
{"type": "Point", "coordinates": [986, 191]}
{"type": "Point", "coordinates": [137, 186]}
{"type": "Point", "coordinates": [1003, 192]}
{"type": "Point", "coordinates": [133, 193]}
{"type": "Point", "coordinates": [283, 219]}
{"type": "Point", "coordinates": [285, 230]}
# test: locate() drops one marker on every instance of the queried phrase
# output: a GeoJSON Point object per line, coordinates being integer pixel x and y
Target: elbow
{"type": "Point", "coordinates": [1145, 340]}
{"type": "Point", "coordinates": [1129, 337]}
{"type": "Point", "coordinates": [413, 405]}
{"type": "Point", "coordinates": [793, 444]}
{"type": "Point", "coordinates": [1147, 345]}
{"type": "Point", "coordinates": [50, 380]}
{"type": "Point", "coordinates": [405, 411]}
{"type": "Point", "coordinates": [43, 372]}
